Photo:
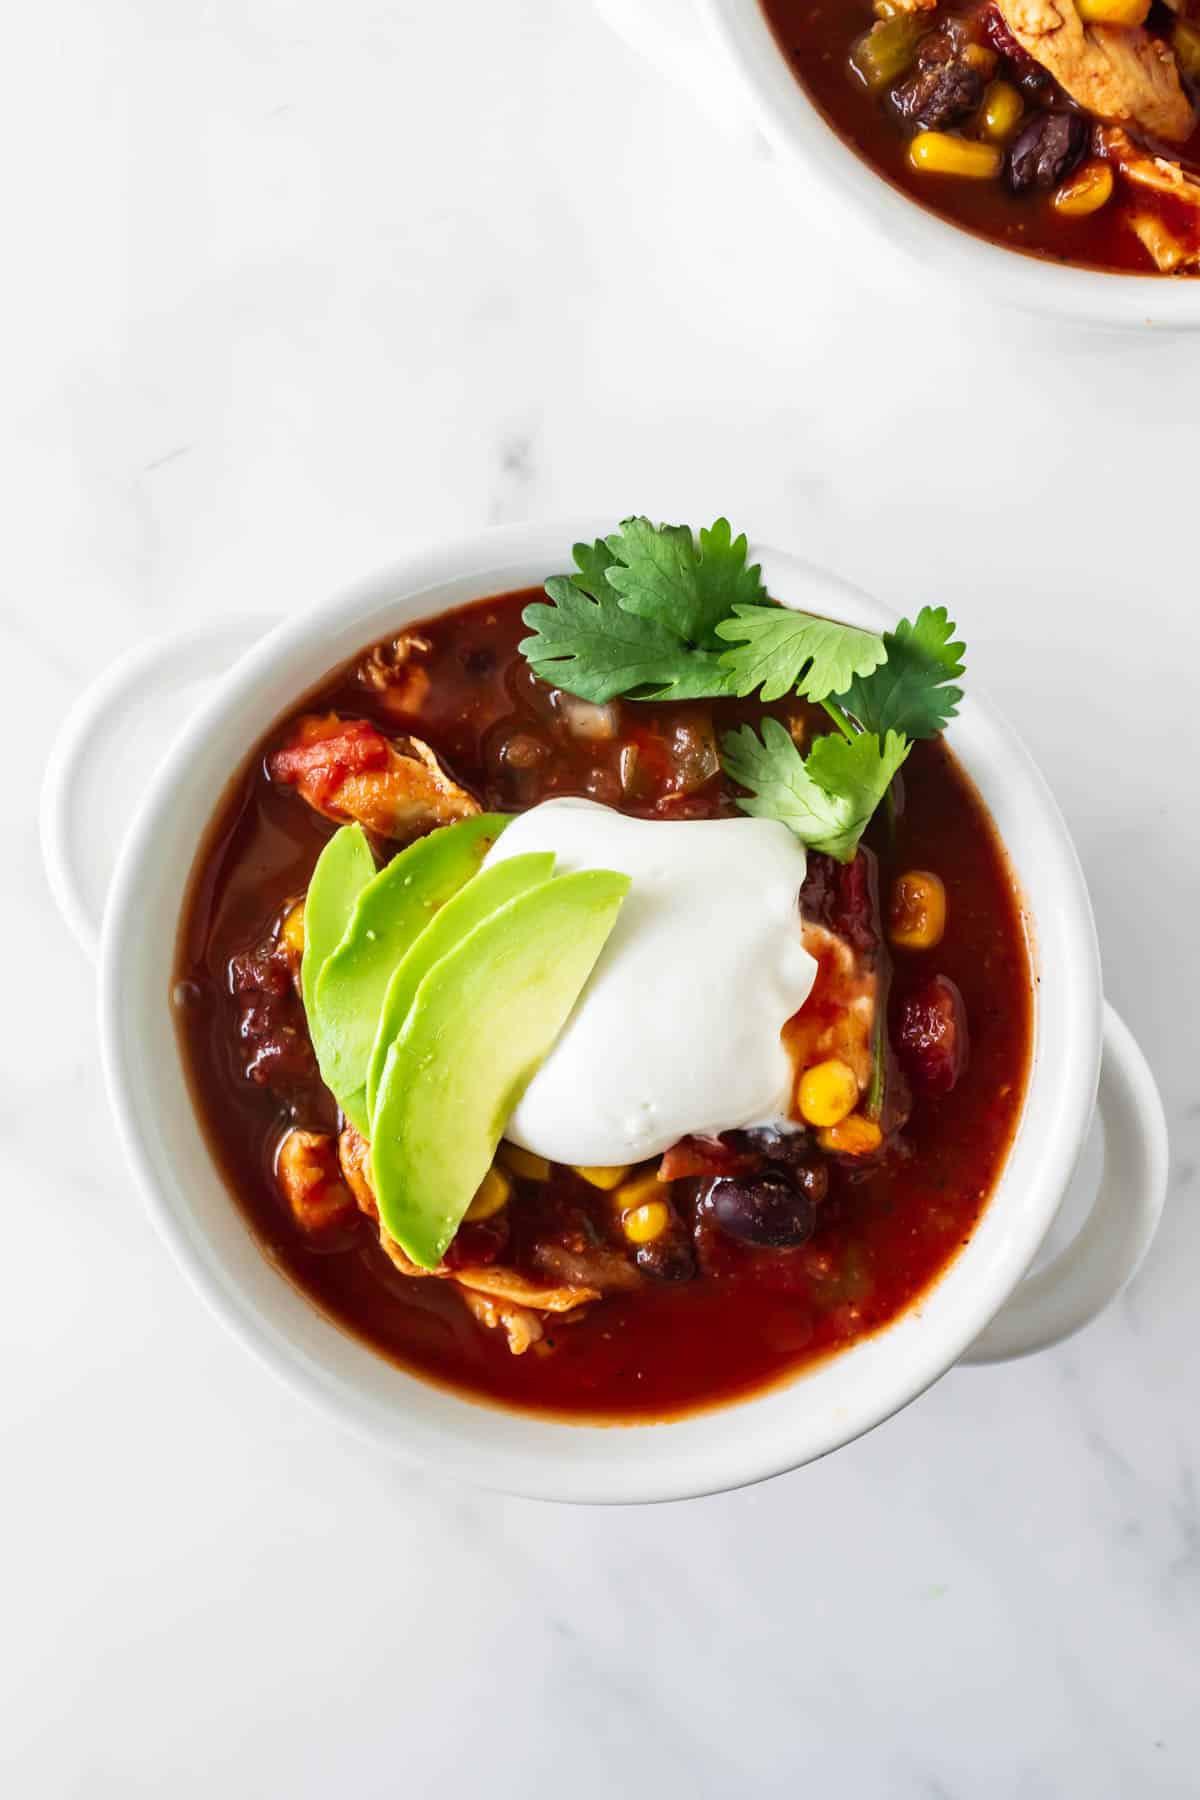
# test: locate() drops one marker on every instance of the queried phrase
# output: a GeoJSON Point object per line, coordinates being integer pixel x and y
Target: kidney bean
{"type": "Point", "coordinates": [931, 1042]}
{"type": "Point", "coordinates": [277, 1052]}
{"type": "Point", "coordinates": [844, 897]}
{"type": "Point", "coordinates": [1027, 73]}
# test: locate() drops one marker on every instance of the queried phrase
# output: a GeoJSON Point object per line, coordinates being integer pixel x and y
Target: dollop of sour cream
{"type": "Point", "coordinates": [678, 1029]}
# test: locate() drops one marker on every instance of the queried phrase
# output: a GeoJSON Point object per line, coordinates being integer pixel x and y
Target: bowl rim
{"type": "Point", "coordinates": [511, 1451]}
{"type": "Point", "coordinates": [1060, 290]}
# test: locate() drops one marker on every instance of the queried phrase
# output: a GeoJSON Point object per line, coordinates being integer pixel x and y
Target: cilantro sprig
{"type": "Point", "coordinates": [659, 613]}
{"type": "Point", "coordinates": [827, 797]}
{"type": "Point", "coordinates": [638, 616]}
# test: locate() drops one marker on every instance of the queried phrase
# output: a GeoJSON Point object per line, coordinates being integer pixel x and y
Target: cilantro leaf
{"type": "Point", "coordinates": [661, 574]}
{"type": "Point", "coordinates": [784, 650]}
{"type": "Point", "coordinates": [826, 798]}
{"type": "Point", "coordinates": [636, 616]}
{"type": "Point", "coordinates": [911, 691]}
{"type": "Point", "coordinates": [593, 561]}
{"type": "Point", "coordinates": [587, 644]}
{"type": "Point", "coordinates": [698, 676]}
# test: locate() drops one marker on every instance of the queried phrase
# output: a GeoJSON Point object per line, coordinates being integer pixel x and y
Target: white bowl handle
{"type": "Point", "coordinates": [675, 37]}
{"type": "Point", "coordinates": [108, 744]}
{"type": "Point", "coordinates": [1081, 1281]}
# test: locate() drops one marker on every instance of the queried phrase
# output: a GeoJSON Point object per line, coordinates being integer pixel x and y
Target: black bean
{"type": "Point", "coordinates": [669, 1258]}
{"type": "Point", "coordinates": [765, 1210]}
{"type": "Point", "coordinates": [790, 1149]}
{"type": "Point", "coordinates": [1045, 151]}
{"type": "Point", "coordinates": [812, 1179]}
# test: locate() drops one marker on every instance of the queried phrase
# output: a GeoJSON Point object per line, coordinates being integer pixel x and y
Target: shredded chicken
{"type": "Point", "coordinates": [1169, 253]}
{"type": "Point", "coordinates": [401, 1260]}
{"type": "Point", "coordinates": [521, 1326]}
{"type": "Point", "coordinates": [838, 1018]}
{"type": "Point", "coordinates": [1156, 172]}
{"type": "Point", "coordinates": [354, 1155]}
{"type": "Point", "coordinates": [395, 673]}
{"type": "Point", "coordinates": [1175, 245]}
{"type": "Point", "coordinates": [606, 1271]}
{"type": "Point", "coordinates": [348, 770]}
{"type": "Point", "coordinates": [306, 1168]}
{"type": "Point", "coordinates": [380, 668]}
{"type": "Point", "coordinates": [496, 1296]}
{"type": "Point", "coordinates": [499, 1283]}
{"type": "Point", "coordinates": [1120, 73]}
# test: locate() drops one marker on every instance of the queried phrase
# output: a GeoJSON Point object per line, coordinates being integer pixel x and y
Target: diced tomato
{"type": "Point", "coordinates": [1002, 40]}
{"type": "Point", "coordinates": [477, 1242]}
{"type": "Point", "coordinates": [324, 752]}
{"type": "Point", "coordinates": [697, 1156]}
{"type": "Point", "coordinates": [671, 761]}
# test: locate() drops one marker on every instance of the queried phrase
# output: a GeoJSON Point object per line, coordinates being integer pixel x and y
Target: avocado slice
{"type": "Point", "coordinates": [343, 869]}
{"type": "Point", "coordinates": [392, 910]}
{"type": "Point", "coordinates": [484, 1019]}
{"type": "Point", "coordinates": [490, 889]}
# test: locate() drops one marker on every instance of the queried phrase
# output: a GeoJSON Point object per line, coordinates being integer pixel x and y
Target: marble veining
{"type": "Point", "coordinates": [307, 284]}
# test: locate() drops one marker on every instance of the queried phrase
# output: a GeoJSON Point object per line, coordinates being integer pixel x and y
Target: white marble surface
{"type": "Point", "coordinates": [288, 285]}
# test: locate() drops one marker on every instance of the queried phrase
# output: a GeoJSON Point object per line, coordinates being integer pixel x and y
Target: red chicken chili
{"type": "Point", "coordinates": [768, 1251]}
{"type": "Point", "coordinates": [1066, 128]}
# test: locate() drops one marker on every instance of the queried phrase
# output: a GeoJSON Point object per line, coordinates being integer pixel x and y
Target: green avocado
{"type": "Point", "coordinates": [484, 1019]}
{"type": "Point", "coordinates": [489, 889]}
{"type": "Point", "coordinates": [389, 914]}
{"type": "Point", "coordinates": [344, 868]}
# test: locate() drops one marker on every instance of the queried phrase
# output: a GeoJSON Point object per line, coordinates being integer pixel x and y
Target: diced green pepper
{"type": "Point", "coordinates": [886, 50]}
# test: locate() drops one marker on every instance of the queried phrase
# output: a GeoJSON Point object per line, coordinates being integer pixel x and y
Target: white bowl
{"type": "Point", "coordinates": [779, 1429]}
{"type": "Point", "coordinates": [725, 51]}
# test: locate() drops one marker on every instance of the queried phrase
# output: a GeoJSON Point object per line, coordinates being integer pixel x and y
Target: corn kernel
{"type": "Point", "coordinates": [982, 58]}
{"type": "Point", "coordinates": [855, 1136]}
{"type": "Point", "coordinates": [827, 1092]}
{"type": "Point", "coordinates": [490, 1196]}
{"type": "Point", "coordinates": [602, 1178]}
{"type": "Point", "coordinates": [1113, 12]}
{"type": "Point", "coordinates": [1002, 109]}
{"type": "Point", "coordinates": [292, 931]}
{"type": "Point", "coordinates": [643, 1188]}
{"type": "Point", "coordinates": [1087, 190]}
{"type": "Point", "coordinates": [917, 914]}
{"type": "Point", "coordinates": [524, 1163]}
{"type": "Point", "coordinates": [1185, 41]}
{"type": "Point", "coordinates": [940, 153]}
{"type": "Point", "coordinates": [642, 1224]}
